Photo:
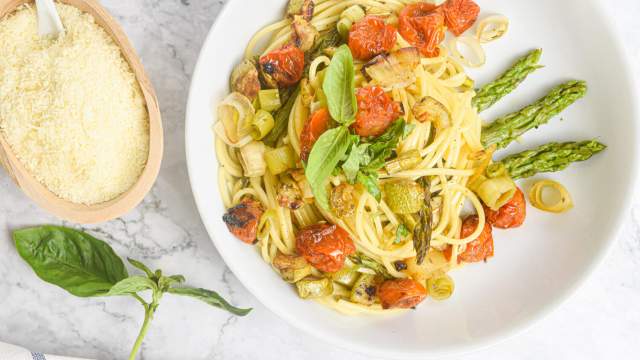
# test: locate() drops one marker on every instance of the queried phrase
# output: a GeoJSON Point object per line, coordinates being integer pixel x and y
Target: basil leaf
{"type": "Point", "coordinates": [357, 156]}
{"type": "Point", "coordinates": [339, 87]}
{"type": "Point", "coordinates": [370, 182]}
{"type": "Point", "coordinates": [383, 146]}
{"type": "Point", "coordinates": [70, 259]}
{"type": "Point", "coordinates": [132, 285]}
{"type": "Point", "coordinates": [210, 297]}
{"type": "Point", "coordinates": [140, 266]}
{"type": "Point", "coordinates": [324, 156]}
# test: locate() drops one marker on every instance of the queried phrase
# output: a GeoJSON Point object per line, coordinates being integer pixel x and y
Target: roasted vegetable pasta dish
{"type": "Point", "coordinates": [354, 155]}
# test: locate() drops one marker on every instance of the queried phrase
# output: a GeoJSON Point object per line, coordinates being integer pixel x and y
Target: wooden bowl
{"type": "Point", "coordinates": [124, 203]}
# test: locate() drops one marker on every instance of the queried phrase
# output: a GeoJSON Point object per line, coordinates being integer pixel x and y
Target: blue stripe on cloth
{"type": "Point", "coordinates": [38, 356]}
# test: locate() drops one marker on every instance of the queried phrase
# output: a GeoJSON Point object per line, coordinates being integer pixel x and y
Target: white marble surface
{"type": "Point", "coordinates": [602, 321]}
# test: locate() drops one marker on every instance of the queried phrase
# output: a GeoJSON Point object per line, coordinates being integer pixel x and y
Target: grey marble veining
{"type": "Point", "coordinates": [602, 321]}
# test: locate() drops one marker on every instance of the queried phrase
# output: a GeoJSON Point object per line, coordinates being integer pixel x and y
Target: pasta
{"type": "Point", "coordinates": [375, 182]}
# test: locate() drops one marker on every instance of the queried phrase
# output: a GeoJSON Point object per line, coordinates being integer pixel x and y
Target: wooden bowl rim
{"type": "Point", "coordinates": [90, 214]}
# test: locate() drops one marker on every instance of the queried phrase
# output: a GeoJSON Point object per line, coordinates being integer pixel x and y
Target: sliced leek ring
{"type": "Point", "coordinates": [474, 45]}
{"type": "Point", "coordinates": [492, 28]}
{"type": "Point", "coordinates": [563, 204]}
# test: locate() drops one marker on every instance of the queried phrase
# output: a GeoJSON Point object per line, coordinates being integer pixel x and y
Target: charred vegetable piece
{"type": "Point", "coordinates": [292, 268]}
{"type": "Point", "coordinates": [440, 287]}
{"type": "Point", "coordinates": [347, 276]}
{"type": "Point", "coordinates": [394, 70]}
{"type": "Point", "coordinates": [400, 265]}
{"type": "Point", "coordinates": [303, 8]}
{"type": "Point", "coordinates": [289, 195]}
{"type": "Point", "coordinates": [304, 34]}
{"type": "Point", "coordinates": [371, 36]}
{"type": "Point", "coordinates": [509, 215]}
{"type": "Point", "coordinates": [245, 79]}
{"type": "Point", "coordinates": [404, 196]}
{"type": "Point", "coordinates": [343, 200]}
{"type": "Point", "coordinates": [242, 220]}
{"type": "Point", "coordinates": [405, 161]}
{"type": "Point", "coordinates": [325, 246]}
{"type": "Point", "coordinates": [282, 67]}
{"type": "Point", "coordinates": [376, 111]}
{"type": "Point", "coordinates": [508, 128]}
{"type": "Point", "coordinates": [311, 288]}
{"type": "Point", "coordinates": [422, 232]}
{"type": "Point", "coordinates": [431, 110]}
{"type": "Point", "coordinates": [460, 15]}
{"type": "Point", "coordinates": [401, 294]}
{"type": "Point", "coordinates": [365, 289]}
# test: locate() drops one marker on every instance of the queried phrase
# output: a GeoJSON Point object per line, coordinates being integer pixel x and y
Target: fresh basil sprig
{"type": "Point", "coordinates": [337, 148]}
{"type": "Point", "coordinates": [86, 267]}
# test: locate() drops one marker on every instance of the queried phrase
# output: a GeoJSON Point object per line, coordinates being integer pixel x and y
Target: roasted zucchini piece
{"type": "Point", "coordinates": [311, 288]}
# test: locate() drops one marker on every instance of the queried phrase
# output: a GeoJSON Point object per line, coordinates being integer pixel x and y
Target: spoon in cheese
{"type": "Point", "coordinates": [49, 23]}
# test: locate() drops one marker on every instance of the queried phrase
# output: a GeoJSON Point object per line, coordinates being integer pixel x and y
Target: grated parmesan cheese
{"type": "Point", "coordinates": [71, 108]}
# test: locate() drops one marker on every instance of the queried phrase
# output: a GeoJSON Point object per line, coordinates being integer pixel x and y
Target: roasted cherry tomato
{"type": "Point", "coordinates": [401, 293]}
{"type": "Point", "coordinates": [242, 219]}
{"type": "Point", "coordinates": [511, 214]}
{"type": "Point", "coordinates": [479, 249]}
{"type": "Point", "coordinates": [422, 25]}
{"type": "Point", "coordinates": [371, 36]}
{"type": "Point", "coordinates": [324, 246]}
{"type": "Point", "coordinates": [459, 15]}
{"type": "Point", "coordinates": [284, 65]}
{"type": "Point", "coordinates": [376, 111]}
{"type": "Point", "coordinates": [317, 124]}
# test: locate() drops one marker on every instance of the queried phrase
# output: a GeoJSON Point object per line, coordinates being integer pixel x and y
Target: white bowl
{"type": "Point", "coordinates": [535, 267]}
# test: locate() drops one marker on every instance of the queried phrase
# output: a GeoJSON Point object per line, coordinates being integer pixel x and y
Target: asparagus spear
{"type": "Point", "coordinates": [363, 260]}
{"type": "Point", "coordinates": [508, 128]}
{"type": "Point", "coordinates": [546, 158]}
{"type": "Point", "coordinates": [422, 231]}
{"type": "Point", "coordinates": [507, 82]}
{"type": "Point", "coordinates": [281, 115]}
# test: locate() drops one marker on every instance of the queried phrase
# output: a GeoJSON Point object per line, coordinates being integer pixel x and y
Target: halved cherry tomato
{"type": "Point", "coordinates": [459, 15]}
{"type": "Point", "coordinates": [511, 214]}
{"type": "Point", "coordinates": [324, 246]}
{"type": "Point", "coordinates": [422, 25]}
{"type": "Point", "coordinates": [317, 124]}
{"type": "Point", "coordinates": [242, 219]}
{"type": "Point", "coordinates": [371, 36]}
{"type": "Point", "coordinates": [401, 293]}
{"type": "Point", "coordinates": [284, 65]}
{"type": "Point", "coordinates": [479, 249]}
{"type": "Point", "coordinates": [376, 111]}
